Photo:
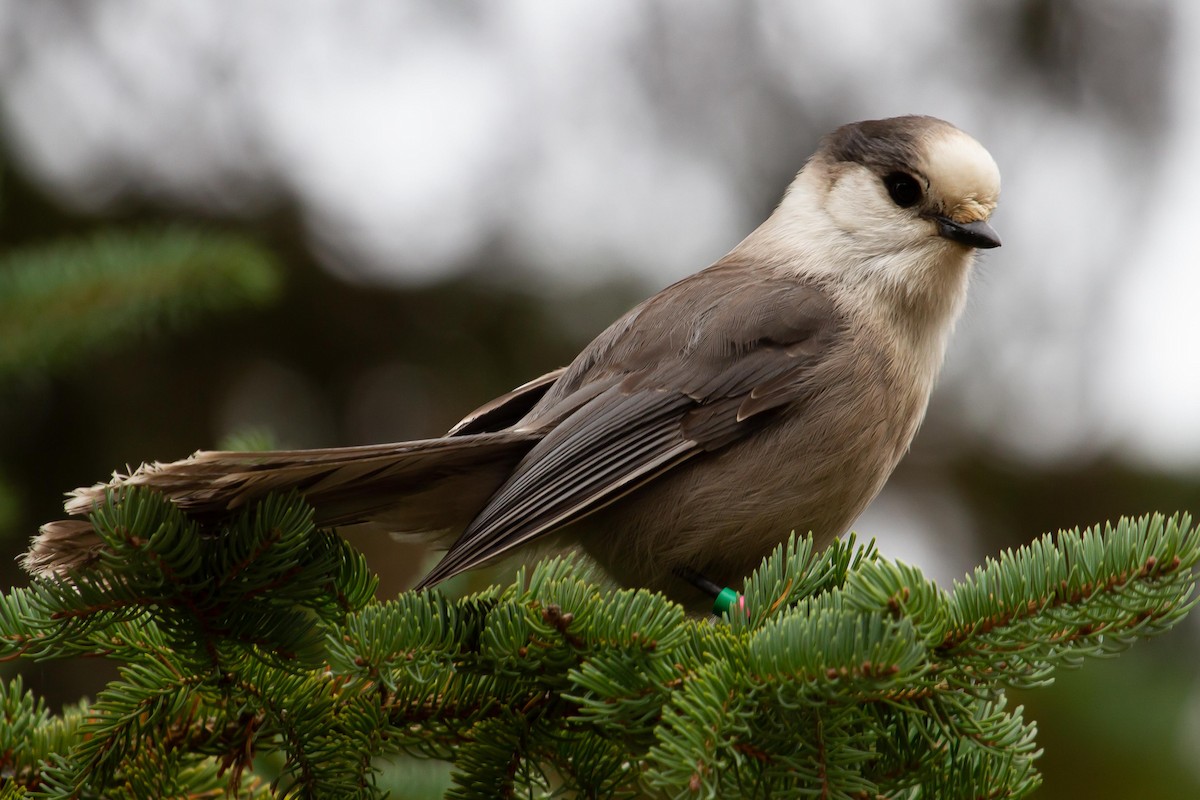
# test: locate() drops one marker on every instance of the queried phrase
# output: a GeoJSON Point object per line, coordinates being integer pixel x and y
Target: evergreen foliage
{"type": "Point", "coordinates": [63, 300]}
{"type": "Point", "coordinates": [255, 661]}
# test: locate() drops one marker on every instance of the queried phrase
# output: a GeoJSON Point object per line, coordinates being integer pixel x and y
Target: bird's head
{"type": "Point", "coordinates": [896, 207]}
{"type": "Point", "coordinates": [897, 184]}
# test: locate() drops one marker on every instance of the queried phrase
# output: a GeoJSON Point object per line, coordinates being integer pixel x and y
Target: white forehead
{"type": "Point", "coordinates": [959, 168]}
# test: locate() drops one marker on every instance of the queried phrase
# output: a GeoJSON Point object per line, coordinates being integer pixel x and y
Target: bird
{"type": "Point", "coordinates": [774, 391]}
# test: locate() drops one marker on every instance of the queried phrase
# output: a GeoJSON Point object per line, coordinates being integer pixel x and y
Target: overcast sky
{"type": "Point", "coordinates": [582, 138]}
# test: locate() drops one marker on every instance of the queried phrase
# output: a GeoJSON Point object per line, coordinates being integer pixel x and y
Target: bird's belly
{"type": "Point", "coordinates": [737, 505]}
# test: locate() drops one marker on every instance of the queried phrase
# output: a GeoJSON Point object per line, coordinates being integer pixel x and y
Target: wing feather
{"type": "Point", "coordinates": [573, 471]}
{"type": "Point", "coordinates": [635, 421]}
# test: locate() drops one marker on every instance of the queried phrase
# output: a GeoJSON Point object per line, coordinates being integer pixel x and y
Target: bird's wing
{"type": "Point", "coordinates": [734, 354]}
{"type": "Point", "coordinates": [508, 408]}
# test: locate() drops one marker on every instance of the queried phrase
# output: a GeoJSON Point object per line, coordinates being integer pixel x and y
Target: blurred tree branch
{"type": "Point", "coordinates": [62, 301]}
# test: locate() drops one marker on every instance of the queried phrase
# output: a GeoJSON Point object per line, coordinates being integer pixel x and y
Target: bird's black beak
{"type": "Point", "coordinates": [973, 234]}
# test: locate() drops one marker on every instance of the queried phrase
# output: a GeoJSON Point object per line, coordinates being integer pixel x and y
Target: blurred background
{"type": "Point", "coordinates": [328, 224]}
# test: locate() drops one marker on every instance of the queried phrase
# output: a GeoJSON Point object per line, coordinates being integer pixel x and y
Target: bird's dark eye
{"type": "Point", "coordinates": [904, 189]}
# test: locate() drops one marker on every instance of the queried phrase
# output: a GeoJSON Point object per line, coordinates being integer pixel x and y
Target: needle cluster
{"type": "Point", "coordinates": [255, 660]}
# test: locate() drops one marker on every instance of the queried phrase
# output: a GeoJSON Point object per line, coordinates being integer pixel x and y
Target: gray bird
{"type": "Point", "coordinates": [774, 391]}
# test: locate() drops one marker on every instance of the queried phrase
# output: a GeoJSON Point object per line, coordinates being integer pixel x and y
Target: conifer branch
{"type": "Point", "coordinates": [60, 301]}
{"type": "Point", "coordinates": [850, 676]}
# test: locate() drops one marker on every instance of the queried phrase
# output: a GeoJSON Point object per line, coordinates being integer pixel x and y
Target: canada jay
{"type": "Point", "coordinates": [774, 391]}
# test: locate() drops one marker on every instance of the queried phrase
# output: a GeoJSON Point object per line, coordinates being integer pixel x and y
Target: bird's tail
{"type": "Point", "coordinates": [430, 487]}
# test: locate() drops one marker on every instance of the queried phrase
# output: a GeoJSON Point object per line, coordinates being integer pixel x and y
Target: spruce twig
{"type": "Point", "coordinates": [852, 676]}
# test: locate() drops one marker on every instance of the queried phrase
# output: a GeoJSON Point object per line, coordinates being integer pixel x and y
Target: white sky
{"type": "Point", "coordinates": [1152, 377]}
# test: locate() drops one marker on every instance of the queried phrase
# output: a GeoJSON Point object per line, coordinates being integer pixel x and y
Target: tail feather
{"type": "Point", "coordinates": [431, 485]}
{"type": "Point", "coordinates": [60, 546]}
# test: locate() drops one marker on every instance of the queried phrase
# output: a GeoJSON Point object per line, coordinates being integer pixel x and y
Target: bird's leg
{"type": "Point", "coordinates": [723, 598]}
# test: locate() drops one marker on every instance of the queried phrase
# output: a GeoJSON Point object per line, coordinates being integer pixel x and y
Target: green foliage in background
{"type": "Point", "coordinates": [62, 301]}
{"type": "Point", "coordinates": [255, 660]}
